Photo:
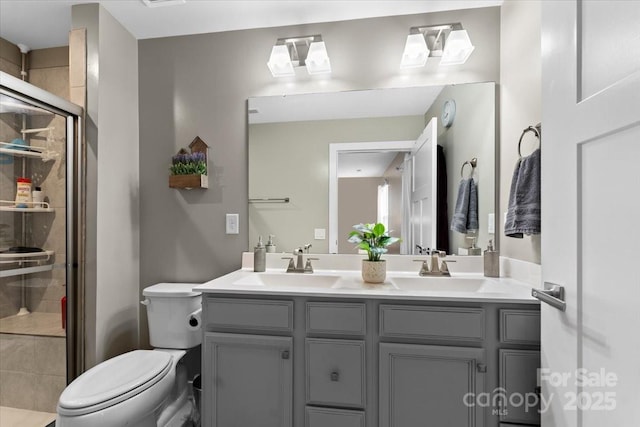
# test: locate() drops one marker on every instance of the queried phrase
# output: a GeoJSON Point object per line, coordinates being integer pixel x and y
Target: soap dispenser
{"type": "Point", "coordinates": [259, 256]}
{"type": "Point", "coordinates": [271, 247]}
{"type": "Point", "coordinates": [491, 261]}
{"type": "Point", "coordinates": [473, 250]}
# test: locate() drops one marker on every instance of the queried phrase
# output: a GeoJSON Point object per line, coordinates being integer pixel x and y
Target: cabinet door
{"type": "Point", "coordinates": [519, 381]}
{"type": "Point", "coordinates": [247, 381]}
{"type": "Point", "coordinates": [423, 385]}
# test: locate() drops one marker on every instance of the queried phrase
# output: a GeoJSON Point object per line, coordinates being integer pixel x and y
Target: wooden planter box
{"type": "Point", "coordinates": [188, 181]}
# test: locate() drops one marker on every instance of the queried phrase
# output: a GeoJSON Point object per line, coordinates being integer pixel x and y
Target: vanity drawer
{"type": "Point", "coordinates": [335, 372]}
{"type": "Point", "coordinates": [448, 323]}
{"type": "Point", "coordinates": [255, 314]}
{"type": "Point", "coordinates": [520, 326]}
{"type": "Point", "coordinates": [323, 417]}
{"type": "Point", "coordinates": [336, 318]}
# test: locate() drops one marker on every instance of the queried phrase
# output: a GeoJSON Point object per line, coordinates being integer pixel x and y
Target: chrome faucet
{"type": "Point", "coordinates": [299, 266]}
{"type": "Point", "coordinates": [438, 267]}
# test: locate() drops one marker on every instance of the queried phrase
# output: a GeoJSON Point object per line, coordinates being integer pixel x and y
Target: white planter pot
{"type": "Point", "coordinates": [374, 271]}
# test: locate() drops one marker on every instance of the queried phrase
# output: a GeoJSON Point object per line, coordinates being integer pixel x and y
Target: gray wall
{"type": "Point", "coordinates": [112, 137]}
{"type": "Point", "coordinates": [472, 134]}
{"type": "Point", "coordinates": [357, 202]}
{"type": "Point", "coordinates": [520, 106]}
{"type": "Point", "coordinates": [199, 84]}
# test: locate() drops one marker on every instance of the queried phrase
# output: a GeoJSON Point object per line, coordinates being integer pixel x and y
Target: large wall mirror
{"type": "Point", "coordinates": [320, 163]}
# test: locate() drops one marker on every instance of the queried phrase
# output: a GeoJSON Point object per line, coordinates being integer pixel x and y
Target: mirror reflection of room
{"type": "Point", "coordinates": [289, 158]}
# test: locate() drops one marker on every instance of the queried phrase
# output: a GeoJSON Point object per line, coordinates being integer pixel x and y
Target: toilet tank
{"type": "Point", "coordinates": [173, 312]}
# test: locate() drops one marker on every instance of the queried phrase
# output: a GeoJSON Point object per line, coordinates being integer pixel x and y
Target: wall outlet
{"type": "Point", "coordinates": [319, 233]}
{"type": "Point", "coordinates": [233, 224]}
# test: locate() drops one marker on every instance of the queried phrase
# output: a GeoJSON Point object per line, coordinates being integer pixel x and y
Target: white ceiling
{"type": "Point", "coordinates": [393, 102]}
{"type": "Point", "coordinates": [46, 23]}
{"type": "Point", "coordinates": [364, 164]}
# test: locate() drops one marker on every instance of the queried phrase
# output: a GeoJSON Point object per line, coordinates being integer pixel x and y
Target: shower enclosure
{"type": "Point", "coordinates": [40, 243]}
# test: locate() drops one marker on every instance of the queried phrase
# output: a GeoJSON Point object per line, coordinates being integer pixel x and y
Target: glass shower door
{"type": "Point", "coordinates": [37, 258]}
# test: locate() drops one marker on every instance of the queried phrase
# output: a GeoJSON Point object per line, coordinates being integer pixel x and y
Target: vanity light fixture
{"type": "Point", "coordinates": [449, 41]}
{"type": "Point", "coordinates": [291, 52]}
{"type": "Point", "coordinates": [415, 52]}
{"type": "Point", "coordinates": [317, 59]}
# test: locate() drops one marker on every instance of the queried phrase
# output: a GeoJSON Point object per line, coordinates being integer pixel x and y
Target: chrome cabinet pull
{"type": "Point", "coordinates": [552, 294]}
{"type": "Point", "coordinates": [285, 354]}
{"type": "Point", "coordinates": [335, 376]}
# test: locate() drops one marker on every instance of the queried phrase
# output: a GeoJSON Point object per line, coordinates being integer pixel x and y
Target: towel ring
{"type": "Point", "coordinates": [473, 163]}
{"type": "Point", "coordinates": [537, 130]}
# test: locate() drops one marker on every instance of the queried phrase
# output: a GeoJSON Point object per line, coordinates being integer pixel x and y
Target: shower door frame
{"type": "Point", "coordinates": [75, 220]}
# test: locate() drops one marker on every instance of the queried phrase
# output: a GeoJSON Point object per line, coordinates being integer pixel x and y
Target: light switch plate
{"type": "Point", "coordinates": [319, 233]}
{"type": "Point", "coordinates": [233, 224]}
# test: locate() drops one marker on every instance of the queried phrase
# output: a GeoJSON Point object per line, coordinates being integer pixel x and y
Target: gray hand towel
{"type": "Point", "coordinates": [523, 213]}
{"type": "Point", "coordinates": [465, 215]}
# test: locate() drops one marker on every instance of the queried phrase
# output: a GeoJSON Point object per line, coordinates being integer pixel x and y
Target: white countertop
{"type": "Point", "coordinates": [399, 285]}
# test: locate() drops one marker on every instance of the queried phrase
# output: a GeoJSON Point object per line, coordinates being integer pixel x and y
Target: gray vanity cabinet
{"type": "Point", "coordinates": [310, 361]}
{"type": "Point", "coordinates": [247, 363]}
{"type": "Point", "coordinates": [422, 383]}
{"type": "Point", "coordinates": [427, 385]}
{"type": "Point", "coordinates": [518, 366]}
{"type": "Point", "coordinates": [249, 381]}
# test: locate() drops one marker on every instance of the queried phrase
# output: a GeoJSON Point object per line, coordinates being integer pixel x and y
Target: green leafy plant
{"type": "Point", "coordinates": [372, 238]}
{"type": "Point", "coordinates": [185, 163]}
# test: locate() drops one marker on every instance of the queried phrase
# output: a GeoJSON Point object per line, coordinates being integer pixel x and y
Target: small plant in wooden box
{"type": "Point", "coordinates": [189, 169]}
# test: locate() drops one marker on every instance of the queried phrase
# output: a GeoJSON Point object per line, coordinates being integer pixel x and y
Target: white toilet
{"type": "Point", "coordinates": [143, 387]}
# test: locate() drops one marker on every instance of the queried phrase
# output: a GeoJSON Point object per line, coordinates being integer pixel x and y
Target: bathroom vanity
{"type": "Point", "coordinates": [327, 349]}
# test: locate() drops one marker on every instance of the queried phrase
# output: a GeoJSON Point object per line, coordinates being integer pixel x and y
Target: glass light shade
{"type": "Point", "coordinates": [415, 52]}
{"type": "Point", "coordinates": [457, 48]}
{"type": "Point", "coordinates": [317, 61]}
{"type": "Point", "coordinates": [280, 62]}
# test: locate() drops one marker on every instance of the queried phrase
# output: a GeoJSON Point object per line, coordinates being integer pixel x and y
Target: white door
{"type": "Point", "coordinates": [423, 188]}
{"type": "Point", "coordinates": [591, 212]}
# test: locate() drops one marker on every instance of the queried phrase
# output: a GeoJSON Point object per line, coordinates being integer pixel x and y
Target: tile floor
{"type": "Point", "coordinates": [44, 324]}
{"type": "Point", "coordinates": [32, 362]}
{"type": "Point", "coordinates": [12, 417]}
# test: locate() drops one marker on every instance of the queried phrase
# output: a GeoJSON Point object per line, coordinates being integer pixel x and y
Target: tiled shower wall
{"type": "Point", "coordinates": [48, 69]}
{"type": "Point", "coordinates": [33, 365]}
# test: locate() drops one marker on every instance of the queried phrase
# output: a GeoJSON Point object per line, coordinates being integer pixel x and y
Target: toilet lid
{"type": "Point", "coordinates": [115, 380]}
{"type": "Point", "coordinates": [171, 290]}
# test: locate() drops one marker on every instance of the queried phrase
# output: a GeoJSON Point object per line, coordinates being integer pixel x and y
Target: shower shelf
{"type": "Point", "coordinates": [8, 206]}
{"type": "Point", "coordinates": [25, 257]}
{"type": "Point", "coordinates": [20, 153]}
{"type": "Point", "coordinates": [26, 270]}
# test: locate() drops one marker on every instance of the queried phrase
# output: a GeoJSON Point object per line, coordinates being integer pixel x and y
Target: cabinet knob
{"type": "Point", "coordinates": [335, 376]}
{"type": "Point", "coordinates": [481, 367]}
{"type": "Point", "coordinates": [284, 354]}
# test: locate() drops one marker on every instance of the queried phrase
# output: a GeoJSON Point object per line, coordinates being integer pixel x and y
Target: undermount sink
{"type": "Point", "coordinates": [439, 284]}
{"type": "Point", "coordinates": [288, 280]}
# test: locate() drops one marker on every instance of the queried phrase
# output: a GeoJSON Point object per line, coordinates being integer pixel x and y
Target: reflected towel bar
{"type": "Point", "coordinates": [270, 200]}
{"type": "Point", "coordinates": [473, 163]}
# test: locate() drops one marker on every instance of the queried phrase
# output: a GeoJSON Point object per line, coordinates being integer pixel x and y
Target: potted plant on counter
{"type": "Point", "coordinates": [374, 239]}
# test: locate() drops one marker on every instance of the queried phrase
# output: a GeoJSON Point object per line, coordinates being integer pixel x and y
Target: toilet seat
{"type": "Point", "coordinates": [114, 381]}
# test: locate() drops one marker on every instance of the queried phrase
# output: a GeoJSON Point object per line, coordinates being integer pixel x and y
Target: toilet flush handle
{"type": "Point", "coordinates": [145, 302]}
